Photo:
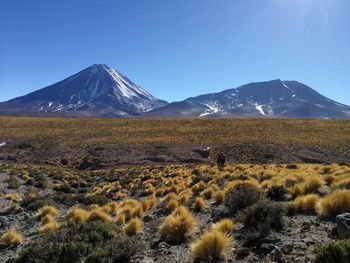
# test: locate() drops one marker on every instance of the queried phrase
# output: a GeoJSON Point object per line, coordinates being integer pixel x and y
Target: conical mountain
{"type": "Point", "coordinates": [95, 91]}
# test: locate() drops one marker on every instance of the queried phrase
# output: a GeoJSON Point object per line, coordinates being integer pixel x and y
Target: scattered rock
{"type": "Point", "coordinates": [277, 254]}
{"type": "Point", "coordinates": [147, 218]}
{"type": "Point", "coordinates": [287, 248]}
{"type": "Point", "coordinates": [242, 252]}
{"type": "Point", "coordinates": [343, 225]}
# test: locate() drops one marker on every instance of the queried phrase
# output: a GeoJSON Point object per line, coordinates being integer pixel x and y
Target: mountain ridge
{"type": "Point", "coordinates": [100, 91]}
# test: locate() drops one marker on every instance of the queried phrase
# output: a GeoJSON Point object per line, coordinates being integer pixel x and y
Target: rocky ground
{"type": "Point", "coordinates": [111, 155]}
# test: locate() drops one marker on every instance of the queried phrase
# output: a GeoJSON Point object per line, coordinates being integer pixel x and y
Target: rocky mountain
{"type": "Point", "coordinates": [276, 98]}
{"type": "Point", "coordinates": [95, 91]}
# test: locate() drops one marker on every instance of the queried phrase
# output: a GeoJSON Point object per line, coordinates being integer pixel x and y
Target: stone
{"type": "Point", "coordinates": [147, 218]}
{"type": "Point", "coordinates": [277, 254]}
{"type": "Point", "coordinates": [287, 248]}
{"type": "Point", "coordinates": [343, 225]}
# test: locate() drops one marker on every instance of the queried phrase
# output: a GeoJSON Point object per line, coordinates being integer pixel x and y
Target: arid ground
{"type": "Point", "coordinates": [149, 190]}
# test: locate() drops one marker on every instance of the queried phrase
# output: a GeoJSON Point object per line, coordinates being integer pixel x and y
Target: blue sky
{"type": "Point", "coordinates": [177, 49]}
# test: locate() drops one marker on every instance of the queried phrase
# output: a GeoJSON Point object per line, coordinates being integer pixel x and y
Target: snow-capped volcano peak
{"type": "Point", "coordinates": [96, 90]}
{"type": "Point", "coordinates": [273, 98]}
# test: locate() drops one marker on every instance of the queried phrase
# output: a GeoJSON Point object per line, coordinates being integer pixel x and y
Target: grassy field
{"type": "Point", "coordinates": [194, 209]}
{"type": "Point", "coordinates": [89, 131]}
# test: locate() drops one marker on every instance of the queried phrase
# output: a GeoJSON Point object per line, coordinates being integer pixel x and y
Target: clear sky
{"type": "Point", "coordinates": [177, 49]}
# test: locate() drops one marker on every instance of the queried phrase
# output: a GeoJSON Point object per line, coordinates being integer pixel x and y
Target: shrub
{"type": "Point", "coordinates": [199, 204]}
{"type": "Point", "coordinates": [219, 196]}
{"type": "Point", "coordinates": [241, 197]}
{"type": "Point", "coordinates": [335, 203]}
{"type": "Point", "coordinates": [304, 204]}
{"type": "Point", "coordinates": [177, 226]}
{"type": "Point", "coordinates": [133, 227]}
{"type": "Point", "coordinates": [12, 237]}
{"type": "Point", "coordinates": [334, 251]}
{"type": "Point", "coordinates": [225, 226]}
{"type": "Point", "coordinates": [276, 193]}
{"type": "Point", "coordinates": [13, 183]}
{"type": "Point", "coordinates": [263, 216]}
{"type": "Point", "coordinates": [77, 215]}
{"type": "Point", "coordinates": [41, 181]}
{"type": "Point", "coordinates": [211, 246]}
{"type": "Point", "coordinates": [82, 243]}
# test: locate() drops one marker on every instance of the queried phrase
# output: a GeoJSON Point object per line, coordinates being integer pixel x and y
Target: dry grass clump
{"type": "Point", "coordinates": [13, 197]}
{"type": "Point", "coordinates": [98, 215]}
{"type": "Point", "coordinates": [199, 204]}
{"type": "Point", "coordinates": [172, 205]}
{"type": "Point", "coordinates": [308, 187]}
{"type": "Point", "coordinates": [225, 226]}
{"type": "Point", "coordinates": [335, 203]}
{"type": "Point", "coordinates": [305, 204]}
{"type": "Point", "coordinates": [211, 246]}
{"type": "Point", "coordinates": [47, 210]}
{"type": "Point", "coordinates": [12, 237]}
{"type": "Point", "coordinates": [133, 227]}
{"type": "Point", "coordinates": [77, 215]}
{"type": "Point", "coordinates": [207, 193]}
{"type": "Point", "coordinates": [177, 226]}
{"type": "Point", "coordinates": [14, 209]}
{"type": "Point", "coordinates": [219, 196]}
{"type": "Point", "coordinates": [120, 219]}
{"type": "Point", "coordinates": [49, 227]}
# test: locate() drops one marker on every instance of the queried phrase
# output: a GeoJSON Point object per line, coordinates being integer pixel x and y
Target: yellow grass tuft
{"type": "Point", "coordinates": [335, 203]}
{"type": "Point", "coordinates": [49, 227]}
{"type": "Point", "coordinates": [12, 237]}
{"type": "Point", "coordinates": [226, 226]}
{"type": "Point", "coordinates": [199, 204]}
{"type": "Point", "coordinates": [172, 204]}
{"type": "Point", "coordinates": [219, 196]}
{"type": "Point", "coordinates": [305, 203]}
{"type": "Point", "coordinates": [133, 227]}
{"type": "Point", "coordinates": [120, 219]}
{"type": "Point", "coordinates": [178, 226]}
{"type": "Point", "coordinates": [98, 215]}
{"type": "Point", "coordinates": [77, 215]}
{"type": "Point", "coordinates": [212, 245]}
{"type": "Point", "coordinates": [13, 197]}
{"type": "Point", "coordinates": [47, 210]}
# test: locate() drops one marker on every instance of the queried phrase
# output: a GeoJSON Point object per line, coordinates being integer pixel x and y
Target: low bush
{"type": "Point", "coordinates": [241, 197]}
{"type": "Point", "coordinates": [13, 183]}
{"type": "Point", "coordinates": [334, 251]}
{"type": "Point", "coordinates": [211, 246]}
{"type": "Point", "coordinates": [82, 243]}
{"type": "Point", "coordinates": [276, 193]}
{"type": "Point", "coordinates": [263, 215]}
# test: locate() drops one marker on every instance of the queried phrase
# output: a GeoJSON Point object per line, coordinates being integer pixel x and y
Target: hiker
{"type": "Point", "coordinates": [221, 159]}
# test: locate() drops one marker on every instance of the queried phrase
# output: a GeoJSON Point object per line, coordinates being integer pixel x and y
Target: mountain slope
{"type": "Point", "coordinates": [95, 91]}
{"type": "Point", "coordinates": [274, 98]}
